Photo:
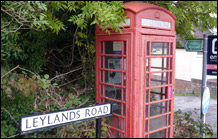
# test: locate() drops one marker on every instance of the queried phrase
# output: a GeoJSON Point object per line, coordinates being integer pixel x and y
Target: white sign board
{"type": "Point", "coordinates": [206, 100]}
{"type": "Point", "coordinates": [155, 23]}
{"type": "Point", "coordinates": [32, 123]}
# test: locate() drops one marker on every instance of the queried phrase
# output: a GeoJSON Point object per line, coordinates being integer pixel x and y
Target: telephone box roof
{"type": "Point", "coordinates": [137, 7]}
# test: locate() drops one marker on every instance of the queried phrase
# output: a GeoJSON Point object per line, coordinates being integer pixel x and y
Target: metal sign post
{"type": "Point", "coordinates": [204, 79]}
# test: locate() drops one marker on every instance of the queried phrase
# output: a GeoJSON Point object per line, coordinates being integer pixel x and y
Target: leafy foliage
{"type": "Point", "coordinates": [191, 15]}
{"type": "Point", "coordinates": [186, 127]}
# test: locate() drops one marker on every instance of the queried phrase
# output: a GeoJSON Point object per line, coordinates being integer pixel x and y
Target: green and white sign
{"type": "Point", "coordinates": [194, 45]}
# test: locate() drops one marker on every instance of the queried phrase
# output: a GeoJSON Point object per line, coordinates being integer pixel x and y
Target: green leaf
{"type": "Point", "coordinates": [46, 76]}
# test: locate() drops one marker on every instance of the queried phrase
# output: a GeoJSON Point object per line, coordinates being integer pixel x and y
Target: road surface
{"type": "Point", "coordinates": [192, 103]}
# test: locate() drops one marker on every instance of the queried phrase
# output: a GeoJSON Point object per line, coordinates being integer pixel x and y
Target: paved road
{"type": "Point", "coordinates": [192, 103]}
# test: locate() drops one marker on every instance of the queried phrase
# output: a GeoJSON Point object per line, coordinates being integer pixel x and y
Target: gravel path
{"type": "Point", "coordinates": [192, 103]}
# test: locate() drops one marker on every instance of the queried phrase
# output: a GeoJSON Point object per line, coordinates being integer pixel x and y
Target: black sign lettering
{"type": "Point", "coordinates": [34, 122]}
{"type": "Point", "coordinates": [94, 111]}
{"type": "Point", "coordinates": [100, 110]}
{"type": "Point", "coordinates": [27, 124]}
{"type": "Point", "coordinates": [49, 120]}
{"type": "Point", "coordinates": [74, 115]}
{"type": "Point", "coordinates": [87, 112]}
{"type": "Point", "coordinates": [64, 116]}
{"type": "Point", "coordinates": [42, 120]}
{"type": "Point", "coordinates": [78, 114]}
{"type": "Point", "coordinates": [105, 109]}
{"type": "Point", "coordinates": [56, 118]}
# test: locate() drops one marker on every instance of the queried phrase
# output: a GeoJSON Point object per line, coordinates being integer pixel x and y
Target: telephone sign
{"type": "Point", "coordinates": [212, 55]}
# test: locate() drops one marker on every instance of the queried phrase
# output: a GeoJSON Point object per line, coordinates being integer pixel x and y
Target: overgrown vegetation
{"type": "Point", "coordinates": [186, 127]}
{"type": "Point", "coordinates": [48, 55]}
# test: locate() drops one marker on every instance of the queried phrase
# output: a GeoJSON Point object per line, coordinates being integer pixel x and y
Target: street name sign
{"type": "Point", "coordinates": [212, 55]}
{"type": "Point", "coordinates": [194, 45]}
{"type": "Point", "coordinates": [206, 100]}
{"type": "Point", "coordinates": [33, 123]}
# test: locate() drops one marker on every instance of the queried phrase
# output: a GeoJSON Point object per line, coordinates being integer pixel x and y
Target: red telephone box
{"type": "Point", "coordinates": [135, 71]}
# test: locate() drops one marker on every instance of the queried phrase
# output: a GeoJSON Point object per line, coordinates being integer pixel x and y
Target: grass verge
{"type": "Point", "coordinates": [191, 94]}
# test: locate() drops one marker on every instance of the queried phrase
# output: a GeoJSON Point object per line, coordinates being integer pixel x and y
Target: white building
{"type": "Point", "coordinates": [189, 65]}
{"type": "Point", "coordinates": [188, 73]}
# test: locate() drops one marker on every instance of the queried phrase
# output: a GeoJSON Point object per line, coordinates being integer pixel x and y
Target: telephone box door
{"type": "Point", "coordinates": [159, 74]}
{"type": "Point", "coordinates": [112, 77]}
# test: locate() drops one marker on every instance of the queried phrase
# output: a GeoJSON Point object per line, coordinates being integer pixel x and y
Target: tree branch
{"type": "Point", "coordinates": [58, 76]}
{"type": "Point", "coordinates": [10, 71]}
{"type": "Point", "coordinates": [10, 115]}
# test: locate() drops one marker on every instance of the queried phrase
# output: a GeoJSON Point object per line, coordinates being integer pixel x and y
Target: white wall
{"type": "Point", "coordinates": [189, 65]}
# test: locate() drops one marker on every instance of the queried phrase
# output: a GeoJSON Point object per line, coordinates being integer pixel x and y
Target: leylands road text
{"type": "Point", "coordinates": [34, 122]}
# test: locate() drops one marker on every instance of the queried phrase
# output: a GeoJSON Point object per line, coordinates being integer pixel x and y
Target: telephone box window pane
{"type": "Point", "coordinates": [171, 63]}
{"type": "Point", "coordinates": [157, 93]}
{"type": "Point", "coordinates": [158, 123]}
{"type": "Point", "coordinates": [161, 90]}
{"type": "Point", "coordinates": [101, 47]}
{"type": "Point", "coordinates": [113, 47]}
{"type": "Point", "coordinates": [124, 79]}
{"type": "Point", "coordinates": [158, 108]}
{"type": "Point", "coordinates": [156, 97]}
{"type": "Point", "coordinates": [124, 124]}
{"type": "Point", "coordinates": [147, 64]}
{"type": "Point", "coordinates": [124, 109]}
{"type": "Point", "coordinates": [114, 122]}
{"type": "Point", "coordinates": [101, 76]}
{"type": "Point", "coordinates": [124, 94]}
{"type": "Point", "coordinates": [147, 93]}
{"type": "Point", "coordinates": [159, 64]}
{"type": "Point", "coordinates": [171, 47]}
{"type": "Point", "coordinates": [102, 90]}
{"type": "Point", "coordinates": [159, 48]}
{"type": "Point", "coordinates": [170, 106]}
{"type": "Point", "coordinates": [112, 77]}
{"type": "Point", "coordinates": [160, 134]}
{"type": "Point", "coordinates": [147, 80]}
{"type": "Point", "coordinates": [168, 132]}
{"type": "Point", "coordinates": [158, 79]}
{"type": "Point", "coordinates": [146, 126]}
{"type": "Point", "coordinates": [148, 52]}
{"type": "Point", "coordinates": [124, 64]}
{"type": "Point", "coordinates": [169, 119]}
{"type": "Point", "coordinates": [102, 62]}
{"type": "Point", "coordinates": [171, 77]}
{"type": "Point", "coordinates": [124, 47]}
{"type": "Point", "coordinates": [146, 111]}
{"type": "Point", "coordinates": [116, 106]}
{"type": "Point", "coordinates": [113, 92]}
{"type": "Point", "coordinates": [113, 62]}
{"type": "Point", "coordinates": [113, 134]}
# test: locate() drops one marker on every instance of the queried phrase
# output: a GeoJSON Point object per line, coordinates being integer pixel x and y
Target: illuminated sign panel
{"type": "Point", "coordinates": [156, 23]}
